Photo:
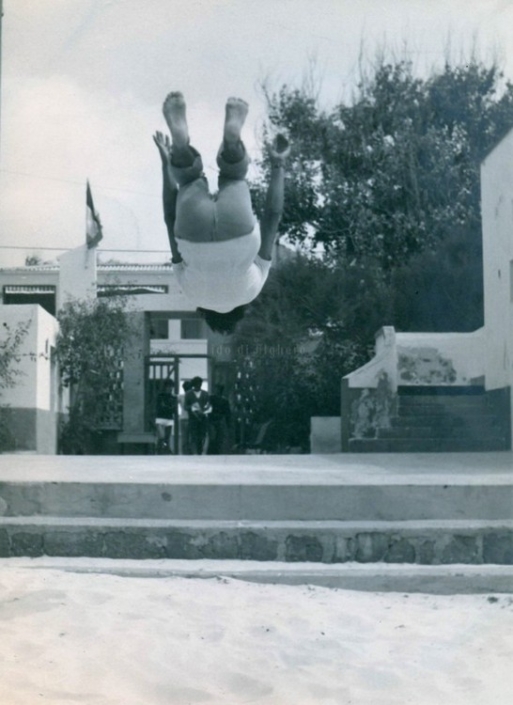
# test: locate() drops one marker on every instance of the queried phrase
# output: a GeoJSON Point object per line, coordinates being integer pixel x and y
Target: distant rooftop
{"type": "Point", "coordinates": [54, 267]}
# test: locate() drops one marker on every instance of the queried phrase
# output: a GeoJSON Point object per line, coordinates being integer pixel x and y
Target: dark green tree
{"type": "Point", "coordinates": [397, 170]}
{"type": "Point", "coordinates": [299, 337]}
{"type": "Point", "coordinates": [90, 346]}
{"type": "Point", "coordinates": [389, 186]}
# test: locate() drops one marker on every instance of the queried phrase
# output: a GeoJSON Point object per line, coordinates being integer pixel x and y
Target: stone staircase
{"type": "Point", "coordinates": [438, 419]}
{"type": "Point", "coordinates": [343, 509]}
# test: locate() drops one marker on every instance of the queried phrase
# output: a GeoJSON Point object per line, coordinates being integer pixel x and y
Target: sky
{"type": "Point", "coordinates": [83, 83]}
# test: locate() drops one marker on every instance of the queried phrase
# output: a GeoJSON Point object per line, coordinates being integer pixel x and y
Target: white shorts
{"type": "Point", "coordinates": [164, 422]}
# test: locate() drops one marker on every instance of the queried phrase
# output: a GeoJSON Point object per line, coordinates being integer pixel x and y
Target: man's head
{"type": "Point", "coordinates": [169, 386]}
{"type": "Point", "coordinates": [196, 383]}
{"type": "Point", "coordinates": [223, 322]}
{"type": "Point", "coordinates": [187, 385]}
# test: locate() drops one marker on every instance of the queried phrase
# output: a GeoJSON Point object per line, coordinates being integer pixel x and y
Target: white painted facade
{"type": "Point", "coordinates": [78, 276]}
{"type": "Point", "coordinates": [34, 398]}
{"type": "Point", "coordinates": [35, 387]}
{"type": "Point", "coordinates": [413, 359]}
{"type": "Point", "coordinates": [497, 214]}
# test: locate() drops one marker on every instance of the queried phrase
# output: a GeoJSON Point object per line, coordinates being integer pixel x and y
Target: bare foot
{"type": "Point", "coordinates": [174, 114]}
{"type": "Point", "coordinates": [235, 116]}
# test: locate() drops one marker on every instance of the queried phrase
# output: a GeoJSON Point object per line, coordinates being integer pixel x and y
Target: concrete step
{"type": "Point", "coordinates": [445, 400]}
{"type": "Point", "coordinates": [427, 445]}
{"type": "Point", "coordinates": [438, 414]}
{"type": "Point", "coordinates": [418, 542]}
{"type": "Point", "coordinates": [444, 420]}
{"type": "Point", "coordinates": [355, 491]}
{"type": "Point", "coordinates": [461, 409]}
{"type": "Point", "coordinates": [444, 432]}
{"type": "Point", "coordinates": [442, 390]}
{"type": "Point", "coordinates": [452, 579]}
{"type": "Point", "coordinates": [445, 409]}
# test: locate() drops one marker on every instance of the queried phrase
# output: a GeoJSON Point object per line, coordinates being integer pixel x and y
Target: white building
{"type": "Point", "coordinates": [497, 214]}
{"type": "Point", "coordinates": [172, 342]}
{"type": "Point", "coordinates": [30, 409]}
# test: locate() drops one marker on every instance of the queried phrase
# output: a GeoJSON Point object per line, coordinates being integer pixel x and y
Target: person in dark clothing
{"type": "Point", "coordinates": [166, 412]}
{"type": "Point", "coordinates": [219, 421]}
{"type": "Point", "coordinates": [197, 405]}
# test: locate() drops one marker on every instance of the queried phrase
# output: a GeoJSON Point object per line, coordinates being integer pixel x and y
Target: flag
{"type": "Point", "coordinates": [93, 225]}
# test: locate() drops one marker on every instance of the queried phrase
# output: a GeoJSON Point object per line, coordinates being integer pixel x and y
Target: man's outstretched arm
{"type": "Point", "coordinates": [169, 194]}
{"type": "Point", "coordinates": [275, 197]}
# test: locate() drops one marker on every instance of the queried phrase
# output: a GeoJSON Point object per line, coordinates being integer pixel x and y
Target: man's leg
{"type": "Point", "coordinates": [204, 437]}
{"type": "Point", "coordinates": [234, 211]}
{"type": "Point", "coordinates": [182, 155]}
{"type": "Point", "coordinates": [184, 437]}
{"type": "Point", "coordinates": [194, 207]}
{"type": "Point", "coordinates": [192, 435]}
{"type": "Point", "coordinates": [212, 438]}
{"type": "Point", "coordinates": [232, 158]}
{"type": "Point", "coordinates": [196, 435]}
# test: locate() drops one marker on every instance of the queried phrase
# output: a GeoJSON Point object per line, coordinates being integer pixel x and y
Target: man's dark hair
{"type": "Point", "coordinates": [223, 322]}
{"type": "Point", "coordinates": [196, 383]}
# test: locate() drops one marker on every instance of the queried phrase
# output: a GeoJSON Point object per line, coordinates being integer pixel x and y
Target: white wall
{"type": "Point", "coordinates": [497, 214]}
{"type": "Point", "coordinates": [410, 359]}
{"type": "Point", "coordinates": [463, 354]}
{"type": "Point", "coordinates": [47, 377]}
{"type": "Point", "coordinates": [23, 394]}
{"type": "Point", "coordinates": [174, 300]}
{"type": "Point", "coordinates": [77, 275]}
{"type": "Point", "coordinates": [33, 384]}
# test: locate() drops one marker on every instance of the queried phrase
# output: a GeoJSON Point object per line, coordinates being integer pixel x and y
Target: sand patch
{"type": "Point", "coordinates": [105, 640]}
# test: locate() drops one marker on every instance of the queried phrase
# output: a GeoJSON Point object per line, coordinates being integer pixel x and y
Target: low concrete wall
{"type": "Point", "coordinates": [420, 359]}
{"type": "Point", "coordinates": [31, 429]}
{"type": "Point", "coordinates": [319, 542]}
{"type": "Point", "coordinates": [46, 432]}
{"type": "Point", "coordinates": [383, 364]}
{"type": "Point", "coordinates": [325, 434]}
{"type": "Point", "coordinates": [311, 498]}
{"type": "Point", "coordinates": [369, 395]}
{"type": "Point", "coordinates": [441, 359]}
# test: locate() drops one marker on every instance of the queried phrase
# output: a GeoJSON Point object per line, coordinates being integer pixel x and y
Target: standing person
{"type": "Point", "coordinates": [166, 413]}
{"type": "Point", "coordinates": [197, 405]}
{"type": "Point", "coordinates": [219, 421]}
{"type": "Point", "coordinates": [185, 446]}
{"type": "Point", "coordinates": [221, 255]}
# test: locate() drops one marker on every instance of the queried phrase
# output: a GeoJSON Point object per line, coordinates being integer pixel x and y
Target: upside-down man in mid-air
{"type": "Point", "coordinates": [221, 254]}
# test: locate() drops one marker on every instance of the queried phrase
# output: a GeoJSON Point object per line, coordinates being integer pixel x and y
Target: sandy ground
{"type": "Point", "coordinates": [71, 638]}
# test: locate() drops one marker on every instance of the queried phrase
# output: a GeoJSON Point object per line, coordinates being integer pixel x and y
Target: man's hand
{"type": "Point", "coordinates": [163, 145]}
{"type": "Point", "coordinates": [279, 150]}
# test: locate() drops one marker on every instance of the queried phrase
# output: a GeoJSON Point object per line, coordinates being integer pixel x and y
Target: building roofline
{"type": "Point", "coordinates": [502, 137]}
{"type": "Point", "coordinates": [164, 266]}
{"type": "Point", "coordinates": [136, 267]}
{"type": "Point", "coordinates": [32, 268]}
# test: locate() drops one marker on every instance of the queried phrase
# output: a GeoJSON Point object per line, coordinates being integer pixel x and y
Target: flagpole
{"type": "Point", "coordinates": [93, 224]}
{"type": "Point", "coordinates": [1, 16]}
